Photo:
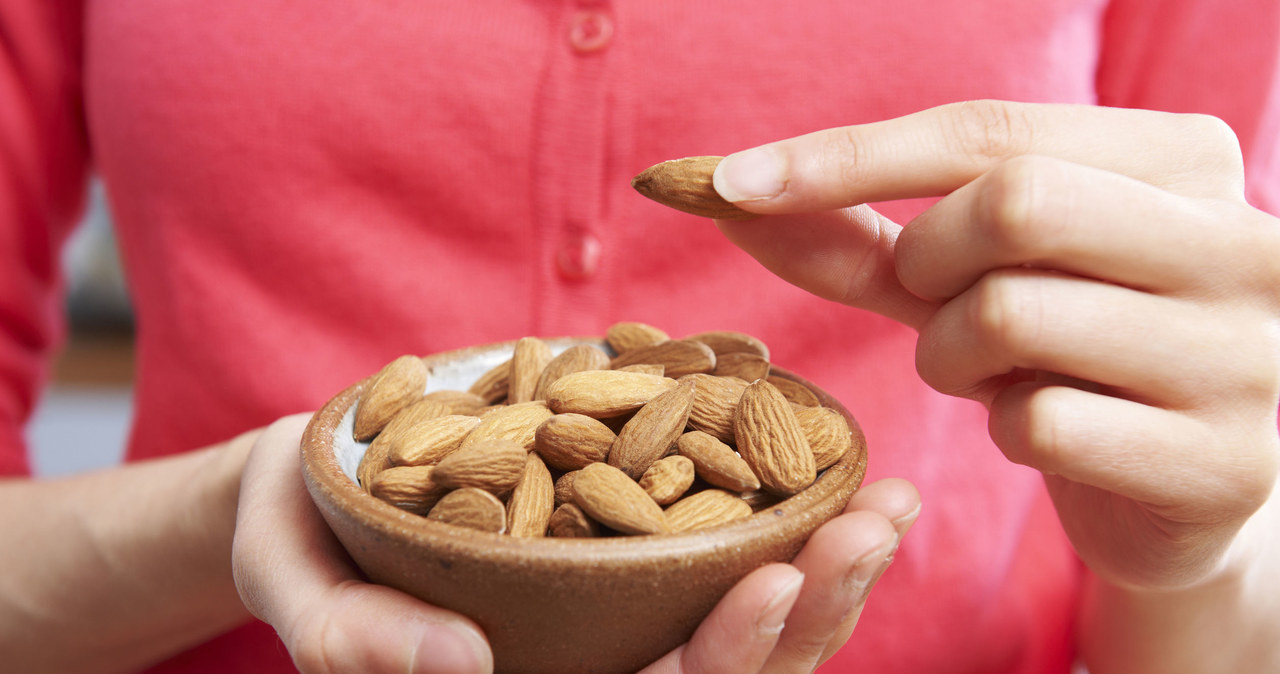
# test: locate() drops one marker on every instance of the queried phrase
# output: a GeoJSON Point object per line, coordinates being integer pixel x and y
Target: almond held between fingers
{"type": "Point", "coordinates": [717, 463]}
{"type": "Point", "coordinates": [714, 404]}
{"type": "Point", "coordinates": [517, 422]}
{"type": "Point", "coordinates": [706, 508]}
{"type": "Point", "coordinates": [678, 356]}
{"type": "Point", "coordinates": [431, 440]}
{"type": "Point", "coordinates": [828, 434]}
{"type": "Point", "coordinates": [396, 386]}
{"type": "Point", "coordinates": [568, 521]}
{"type": "Point", "coordinates": [494, 465]}
{"type": "Point", "coordinates": [668, 479]}
{"type": "Point", "coordinates": [770, 440]}
{"type": "Point", "coordinates": [608, 496]}
{"type": "Point", "coordinates": [492, 386]}
{"type": "Point", "coordinates": [410, 488]}
{"type": "Point", "coordinates": [652, 431]}
{"type": "Point", "coordinates": [627, 335]}
{"type": "Point", "coordinates": [577, 358]}
{"type": "Point", "coordinates": [532, 501]}
{"type": "Point", "coordinates": [605, 393]}
{"type": "Point", "coordinates": [685, 185]}
{"type": "Point", "coordinates": [531, 355]}
{"type": "Point", "coordinates": [570, 441]}
{"type": "Point", "coordinates": [472, 508]}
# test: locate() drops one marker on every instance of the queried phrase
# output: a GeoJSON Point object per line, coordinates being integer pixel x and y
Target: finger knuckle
{"type": "Point", "coordinates": [1013, 208]}
{"type": "Point", "coordinates": [1217, 149]}
{"type": "Point", "coordinates": [1005, 314]}
{"type": "Point", "coordinates": [989, 130]}
{"type": "Point", "coordinates": [845, 155]}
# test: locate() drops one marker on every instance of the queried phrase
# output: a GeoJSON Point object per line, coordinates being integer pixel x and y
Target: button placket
{"type": "Point", "coordinates": [590, 29]}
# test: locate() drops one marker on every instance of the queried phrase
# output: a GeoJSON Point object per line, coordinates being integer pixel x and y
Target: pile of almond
{"type": "Point", "coordinates": [669, 435]}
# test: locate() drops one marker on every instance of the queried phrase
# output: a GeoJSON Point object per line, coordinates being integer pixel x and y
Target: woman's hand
{"type": "Point", "coordinates": [293, 574]}
{"type": "Point", "coordinates": [1094, 276]}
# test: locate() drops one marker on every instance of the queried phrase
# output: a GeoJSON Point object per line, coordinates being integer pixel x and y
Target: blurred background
{"type": "Point", "coordinates": [82, 421]}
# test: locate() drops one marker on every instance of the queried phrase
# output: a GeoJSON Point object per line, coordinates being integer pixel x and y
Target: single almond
{"type": "Point", "coordinates": [714, 404]}
{"type": "Point", "coordinates": [494, 465]}
{"type": "Point", "coordinates": [647, 368]}
{"type": "Point", "coordinates": [770, 440]}
{"type": "Point", "coordinates": [577, 358]}
{"type": "Point", "coordinates": [707, 508]}
{"type": "Point", "coordinates": [564, 487]}
{"type": "Point", "coordinates": [795, 391]}
{"type": "Point", "coordinates": [678, 356]}
{"type": "Point", "coordinates": [608, 496]}
{"type": "Point", "coordinates": [605, 393]}
{"type": "Point", "coordinates": [685, 185]}
{"type": "Point", "coordinates": [725, 342]}
{"type": "Point", "coordinates": [410, 488]}
{"type": "Point", "coordinates": [627, 335]}
{"type": "Point", "coordinates": [458, 402]}
{"type": "Point", "coordinates": [828, 434]}
{"type": "Point", "coordinates": [532, 501]}
{"type": "Point", "coordinates": [431, 440]}
{"type": "Point", "coordinates": [492, 386]}
{"type": "Point", "coordinates": [531, 355]}
{"type": "Point", "coordinates": [717, 463]}
{"type": "Point", "coordinates": [668, 479]}
{"type": "Point", "coordinates": [472, 508]}
{"type": "Point", "coordinates": [377, 458]}
{"type": "Point", "coordinates": [744, 366]}
{"type": "Point", "coordinates": [652, 431]}
{"type": "Point", "coordinates": [397, 385]}
{"type": "Point", "coordinates": [570, 441]}
{"type": "Point", "coordinates": [568, 521]}
{"type": "Point", "coordinates": [517, 422]}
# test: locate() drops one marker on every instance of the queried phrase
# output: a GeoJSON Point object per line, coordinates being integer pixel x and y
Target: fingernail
{"type": "Point", "coordinates": [447, 647]}
{"type": "Point", "coordinates": [751, 175]}
{"type": "Point", "coordinates": [774, 616]}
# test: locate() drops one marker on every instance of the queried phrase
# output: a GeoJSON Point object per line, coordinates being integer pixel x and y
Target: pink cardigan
{"type": "Point", "coordinates": [305, 190]}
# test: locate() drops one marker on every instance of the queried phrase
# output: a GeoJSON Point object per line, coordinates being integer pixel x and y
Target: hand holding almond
{"type": "Point", "coordinates": [1097, 279]}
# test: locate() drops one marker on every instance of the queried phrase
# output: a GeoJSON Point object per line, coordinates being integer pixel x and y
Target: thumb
{"type": "Point", "coordinates": [845, 256]}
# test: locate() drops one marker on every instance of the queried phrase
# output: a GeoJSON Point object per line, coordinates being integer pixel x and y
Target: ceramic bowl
{"type": "Point", "coordinates": [547, 604]}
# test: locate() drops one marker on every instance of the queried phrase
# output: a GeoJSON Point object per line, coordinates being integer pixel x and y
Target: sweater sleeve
{"type": "Point", "coordinates": [43, 168]}
{"type": "Point", "coordinates": [1206, 56]}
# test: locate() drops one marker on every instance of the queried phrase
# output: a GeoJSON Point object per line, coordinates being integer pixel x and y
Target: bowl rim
{"type": "Point", "coordinates": [330, 487]}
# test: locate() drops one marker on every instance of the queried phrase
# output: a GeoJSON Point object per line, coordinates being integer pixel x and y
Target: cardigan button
{"type": "Point", "coordinates": [590, 30]}
{"type": "Point", "coordinates": [579, 256]}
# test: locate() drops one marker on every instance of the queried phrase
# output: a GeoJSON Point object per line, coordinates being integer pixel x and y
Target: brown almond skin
{"type": "Point", "coordinates": [517, 422]}
{"type": "Point", "coordinates": [410, 488]}
{"type": "Point", "coordinates": [608, 496]}
{"type": "Point", "coordinates": [571, 441]}
{"type": "Point", "coordinates": [458, 402]}
{"type": "Point", "coordinates": [564, 488]}
{"type": "Point", "coordinates": [652, 431]}
{"type": "Point", "coordinates": [706, 508]}
{"type": "Point", "coordinates": [744, 366]}
{"type": "Point", "coordinates": [725, 342]}
{"type": "Point", "coordinates": [828, 434]}
{"type": "Point", "coordinates": [568, 521]}
{"type": "Point", "coordinates": [492, 386]}
{"type": "Point", "coordinates": [717, 463]}
{"type": "Point", "coordinates": [602, 394]}
{"type": "Point", "coordinates": [431, 440]}
{"type": "Point", "coordinates": [795, 392]}
{"type": "Point", "coordinates": [647, 368]}
{"type": "Point", "coordinates": [577, 358]}
{"type": "Point", "coordinates": [472, 508]}
{"type": "Point", "coordinates": [627, 335]}
{"type": "Point", "coordinates": [493, 465]}
{"type": "Point", "coordinates": [685, 185]}
{"type": "Point", "coordinates": [397, 385]}
{"type": "Point", "coordinates": [678, 356]}
{"type": "Point", "coordinates": [714, 404]}
{"type": "Point", "coordinates": [770, 440]}
{"type": "Point", "coordinates": [668, 479]}
{"type": "Point", "coordinates": [532, 501]}
{"type": "Point", "coordinates": [531, 355]}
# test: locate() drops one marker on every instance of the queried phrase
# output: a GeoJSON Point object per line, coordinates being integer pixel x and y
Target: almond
{"type": "Point", "coordinates": [570, 441]}
{"type": "Point", "coordinates": [564, 488]}
{"type": "Point", "coordinates": [744, 366]}
{"type": "Point", "coordinates": [377, 458]}
{"type": "Point", "coordinates": [379, 454]}
{"type": "Point", "coordinates": [771, 441]}
{"type": "Point", "coordinates": [706, 508]}
{"type": "Point", "coordinates": [760, 499]}
{"type": "Point", "coordinates": [678, 356]}
{"type": "Point", "coordinates": [532, 501]}
{"type": "Point", "coordinates": [605, 393]}
{"type": "Point", "coordinates": [396, 386]}
{"type": "Point", "coordinates": [828, 434]}
{"type": "Point", "coordinates": [530, 357]}
{"type": "Point", "coordinates": [685, 185]}
{"type": "Point", "coordinates": [577, 358]}
{"type": "Point", "coordinates": [668, 479]}
{"type": "Point", "coordinates": [472, 508]}
{"type": "Point", "coordinates": [652, 431]}
{"type": "Point", "coordinates": [431, 440]}
{"type": "Point", "coordinates": [716, 462]}
{"type": "Point", "coordinates": [608, 496]}
{"type": "Point", "coordinates": [410, 488]}
{"type": "Point", "coordinates": [714, 403]}
{"type": "Point", "coordinates": [725, 342]}
{"type": "Point", "coordinates": [517, 422]}
{"type": "Point", "coordinates": [795, 391]}
{"type": "Point", "coordinates": [494, 465]}
{"type": "Point", "coordinates": [647, 368]}
{"type": "Point", "coordinates": [493, 384]}
{"type": "Point", "coordinates": [458, 402]}
{"type": "Point", "coordinates": [628, 335]}
{"type": "Point", "coordinates": [568, 521]}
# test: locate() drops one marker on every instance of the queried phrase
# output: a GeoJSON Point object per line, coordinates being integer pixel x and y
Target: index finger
{"type": "Point", "coordinates": [935, 151]}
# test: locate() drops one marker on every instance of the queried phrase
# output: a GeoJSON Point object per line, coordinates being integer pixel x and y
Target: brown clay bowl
{"type": "Point", "coordinates": [547, 604]}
